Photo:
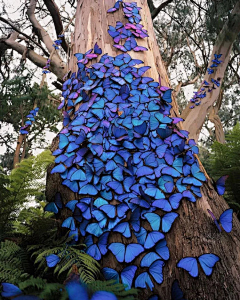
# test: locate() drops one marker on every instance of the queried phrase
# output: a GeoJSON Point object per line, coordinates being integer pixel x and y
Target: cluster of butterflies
{"type": "Point", "coordinates": [55, 45]}
{"type": "Point", "coordinates": [129, 31]}
{"type": "Point", "coordinates": [207, 86]}
{"type": "Point", "coordinates": [31, 118]}
{"type": "Point", "coordinates": [130, 164]}
{"type": "Point", "coordinates": [75, 290]}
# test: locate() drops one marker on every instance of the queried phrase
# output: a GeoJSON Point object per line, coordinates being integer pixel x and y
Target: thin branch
{"type": "Point", "coordinates": [24, 34]}
{"type": "Point", "coordinates": [54, 12]}
{"type": "Point", "coordinates": [159, 8]}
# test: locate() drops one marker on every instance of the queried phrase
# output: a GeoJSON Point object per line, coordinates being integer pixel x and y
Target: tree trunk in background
{"type": "Point", "coordinates": [193, 233]}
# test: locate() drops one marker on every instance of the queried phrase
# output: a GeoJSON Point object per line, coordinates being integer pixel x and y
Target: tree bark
{"type": "Point", "coordinates": [193, 233]}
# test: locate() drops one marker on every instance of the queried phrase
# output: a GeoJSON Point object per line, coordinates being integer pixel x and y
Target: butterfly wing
{"type": "Point", "coordinates": [52, 260]}
{"type": "Point", "coordinates": [152, 238]}
{"type": "Point", "coordinates": [148, 259]}
{"type": "Point", "coordinates": [207, 262]}
{"type": "Point", "coordinates": [220, 185]}
{"type": "Point", "coordinates": [189, 264]}
{"type": "Point", "coordinates": [156, 270]}
{"type": "Point", "coordinates": [110, 274]}
{"type": "Point", "coordinates": [154, 220]}
{"type": "Point", "coordinates": [74, 289]}
{"type": "Point", "coordinates": [176, 292]}
{"type": "Point", "coordinates": [118, 250]}
{"type": "Point", "coordinates": [10, 290]}
{"type": "Point", "coordinates": [127, 276]}
{"type": "Point", "coordinates": [214, 219]}
{"type": "Point", "coordinates": [132, 251]}
{"type": "Point", "coordinates": [162, 249]}
{"type": "Point", "coordinates": [101, 295]}
{"type": "Point", "coordinates": [226, 220]}
{"type": "Point", "coordinates": [167, 221]}
{"type": "Point", "coordinates": [143, 281]}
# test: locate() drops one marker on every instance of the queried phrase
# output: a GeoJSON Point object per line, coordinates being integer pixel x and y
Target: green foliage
{"type": "Point", "coordinates": [18, 97]}
{"type": "Point", "coordinates": [13, 263]}
{"type": "Point", "coordinates": [87, 266]}
{"type": "Point", "coordinates": [225, 160]}
{"type": "Point", "coordinates": [111, 286]}
{"type": "Point", "coordinates": [22, 186]}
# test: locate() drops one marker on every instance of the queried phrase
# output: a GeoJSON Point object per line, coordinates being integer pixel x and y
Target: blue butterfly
{"type": "Point", "coordinates": [207, 262]}
{"type": "Point", "coordinates": [99, 249]}
{"type": "Point", "coordinates": [127, 275]}
{"type": "Point", "coordinates": [125, 253]}
{"type": "Point", "coordinates": [10, 290]}
{"type": "Point", "coordinates": [220, 185]}
{"type": "Point", "coordinates": [143, 280]}
{"type": "Point", "coordinates": [52, 260]}
{"type": "Point", "coordinates": [155, 221]}
{"type": "Point", "coordinates": [225, 220]}
{"type": "Point", "coordinates": [173, 202]}
{"type": "Point", "coordinates": [176, 292]}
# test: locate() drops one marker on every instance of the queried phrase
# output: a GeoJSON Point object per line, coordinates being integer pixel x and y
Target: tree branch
{"type": "Point", "coordinates": [195, 118]}
{"type": "Point", "coordinates": [58, 69]}
{"type": "Point", "coordinates": [157, 10]}
{"type": "Point", "coordinates": [24, 34]}
{"type": "Point", "coordinates": [41, 31]}
{"type": "Point", "coordinates": [151, 5]}
{"type": "Point", "coordinates": [54, 11]}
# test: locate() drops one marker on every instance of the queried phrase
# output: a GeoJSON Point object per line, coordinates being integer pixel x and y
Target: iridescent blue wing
{"type": "Point", "coordinates": [175, 200]}
{"type": "Point", "coordinates": [214, 219]}
{"type": "Point", "coordinates": [189, 264]}
{"type": "Point", "coordinates": [110, 274]}
{"type": "Point", "coordinates": [220, 185]}
{"type": "Point", "coordinates": [94, 252]}
{"type": "Point", "coordinates": [69, 223]}
{"type": "Point", "coordinates": [94, 229]}
{"type": "Point", "coordinates": [207, 262]}
{"type": "Point", "coordinates": [127, 276]}
{"type": "Point", "coordinates": [102, 295]}
{"type": "Point", "coordinates": [132, 251]}
{"type": "Point", "coordinates": [118, 250]}
{"type": "Point", "coordinates": [52, 207]}
{"type": "Point", "coordinates": [152, 238]}
{"type": "Point", "coordinates": [10, 290]}
{"type": "Point", "coordinates": [154, 220]}
{"type": "Point", "coordinates": [226, 219]}
{"type": "Point", "coordinates": [156, 270]}
{"type": "Point", "coordinates": [144, 281]}
{"type": "Point", "coordinates": [74, 289]}
{"type": "Point", "coordinates": [124, 229]}
{"type": "Point", "coordinates": [176, 292]}
{"type": "Point", "coordinates": [52, 260]}
{"type": "Point", "coordinates": [103, 242]}
{"type": "Point", "coordinates": [149, 258]}
{"type": "Point", "coordinates": [162, 249]}
{"type": "Point", "coordinates": [167, 221]}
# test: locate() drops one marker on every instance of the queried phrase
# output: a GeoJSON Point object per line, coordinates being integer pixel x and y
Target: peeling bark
{"type": "Point", "coordinates": [194, 233]}
{"type": "Point", "coordinates": [195, 118]}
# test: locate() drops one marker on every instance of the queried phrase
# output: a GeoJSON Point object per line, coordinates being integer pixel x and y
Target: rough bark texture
{"type": "Point", "coordinates": [194, 118]}
{"type": "Point", "coordinates": [193, 233]}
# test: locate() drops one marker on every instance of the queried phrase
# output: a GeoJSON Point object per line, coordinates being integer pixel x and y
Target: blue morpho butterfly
{"type": "Point", "coordinates": [197, 173]}
{"type": "Point", "coordinates": [127, 275]}
{"type": "Point", "coordinates": [176, 292]}
{"type": "Point", "coordinates": [69, 223]}
{"type": "Point", "coordinates": [224, 221]}
{"type": "Point", "coordinates": [125, 253]}
{"type": "Point", "coordinates": [75, 290]}
{"type": "Point", "coordinates": [167, 205]}
{"type": "Point", "coordinates": [207, 262]}
{"type": "Point", "coordinates": [155, 269]}
{"type": "Point", "coordinates": [166, 221]}
{"type": "Point", "coordinates": [220, 185]}
{"type": "Point", "coordinates": [54, 206]}
{"type": "Point", "coordinates": [99, 249]}
{"type": "Point", "coordinates": [11, 290]}
{"type": "Point", "coordinates": [52, 260]}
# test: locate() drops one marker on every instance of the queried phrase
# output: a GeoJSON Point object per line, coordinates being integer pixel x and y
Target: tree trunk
{"type": "Point", "coordinates": [193, 233]}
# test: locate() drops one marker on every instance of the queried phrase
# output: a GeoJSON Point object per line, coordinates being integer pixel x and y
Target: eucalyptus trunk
{"type": "Point", "coordinates": [193, 233]}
